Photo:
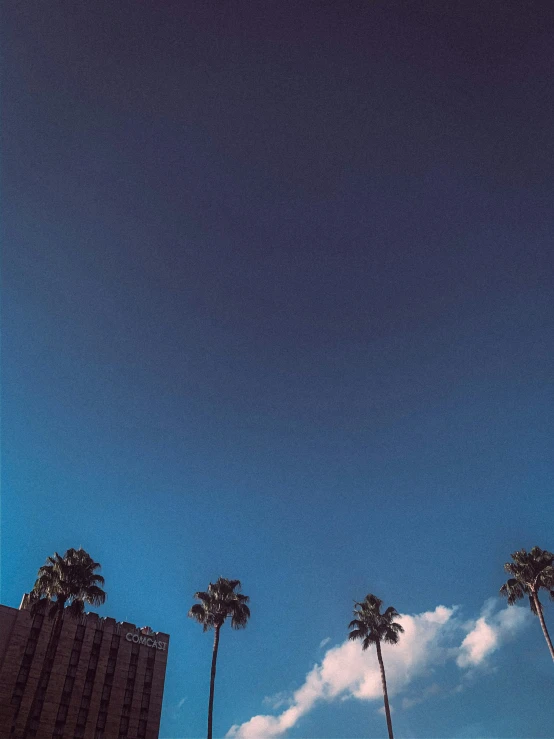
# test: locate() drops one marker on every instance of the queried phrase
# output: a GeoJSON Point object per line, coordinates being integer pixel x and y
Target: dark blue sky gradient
{"type": "Point", "coordinates": [277, 305]}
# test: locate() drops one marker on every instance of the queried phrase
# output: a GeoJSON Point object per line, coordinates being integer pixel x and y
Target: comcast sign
{"type": "Point", "coordinates": [145, 639]}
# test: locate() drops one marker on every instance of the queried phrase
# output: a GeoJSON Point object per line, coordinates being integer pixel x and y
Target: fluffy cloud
{"type": "Point", "coordinates": [347, 672]}
{"type": "Point", "coordinates": [489, 632]}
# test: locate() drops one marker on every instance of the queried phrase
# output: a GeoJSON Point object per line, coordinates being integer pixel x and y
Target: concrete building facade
{"type": "Point", "coordinates": [102, 680]}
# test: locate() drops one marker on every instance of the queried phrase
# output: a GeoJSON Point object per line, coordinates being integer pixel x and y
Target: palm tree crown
{"type": "Point", "coordinates": [530, 572]}
{"type": "Point", "coordinates": [372, 626]}
{"type": "Point", "coordinates": [220, 602]}
{"type": "Point", "coordinates": [68, 582]}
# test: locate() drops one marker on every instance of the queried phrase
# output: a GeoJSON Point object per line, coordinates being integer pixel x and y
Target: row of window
{"type": "Point", "coordinates": [129, 691]}
{"type": "Point", "coordinates": [26, 661]}
{"type": "Point", "coordinates": [74, 658]}
{"type": "Point", "coordinates": [146, 691]}
{"type": "Point", "coordinates": [89, 683]}
{"type": "Point", "coordinates": [33, 723]}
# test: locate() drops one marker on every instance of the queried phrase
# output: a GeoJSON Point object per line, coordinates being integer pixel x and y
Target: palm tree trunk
{"type": "Point", "coordinates": [385, 693]}
{"type": "Point", "coordinates": [212, 681]}
{"type": "Point", "coordinates": [538, 607]}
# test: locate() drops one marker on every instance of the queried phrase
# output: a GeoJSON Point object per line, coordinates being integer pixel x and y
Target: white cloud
{"type": "Point", "coordinates": [325, 641]}
{"type": "Point", "coordinates": [278, 700]}
{"type": "Point", "coordinates": [489, 632]}
{"type": "Point", "coordinates": [347, 672]}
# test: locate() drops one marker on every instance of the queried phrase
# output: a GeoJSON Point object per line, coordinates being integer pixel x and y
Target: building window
{"type": "Point", "coordinates": [80, 632]}
{"type": "Point", "coordinates": [79, 732]}
{"type": "Point", "coordinates": [26, 660]}
{"type": "Point", "coordinates": [141, 729]}
{"type": "Point", "coordinates": [97, 637]}
{"type": "Point", "coordinates": [62, 713]}
{"type": "Point", "coordinates": [44, 680]}
{"type": "Point", "coordinates": [101, 723]}
{"type": "Point", "coordinates": [23, 674]}
{"type": "Point", "coordinates": [72, 670]}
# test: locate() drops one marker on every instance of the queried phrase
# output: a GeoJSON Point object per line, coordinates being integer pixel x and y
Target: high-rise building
{"type": "Point", "coordinates": [98, 679]}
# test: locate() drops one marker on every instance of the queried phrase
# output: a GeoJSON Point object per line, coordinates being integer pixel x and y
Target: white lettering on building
{"type": "Point", "coordinates": [147, 641]}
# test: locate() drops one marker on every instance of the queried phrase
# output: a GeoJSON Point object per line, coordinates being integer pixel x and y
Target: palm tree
{"type": "Point", "coordinates": [373, 627]}
{"type": "Point", "coordinates": [220, 602]}
{"type": "Point", "coordinates": [64, 585]}
{"type": "Point", "coordinates": [530, 572]}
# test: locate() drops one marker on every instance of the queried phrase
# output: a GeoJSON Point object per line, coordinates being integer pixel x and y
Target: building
{"type": "Point", "coordinates": [105, 680]}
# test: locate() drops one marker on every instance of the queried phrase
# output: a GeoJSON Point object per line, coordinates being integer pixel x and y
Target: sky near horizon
{"type": "Point", "coordinates": [277, 305]}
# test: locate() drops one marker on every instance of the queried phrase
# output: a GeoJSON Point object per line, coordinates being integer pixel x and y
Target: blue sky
{"type": "Point", "coordinates": [277, 306]}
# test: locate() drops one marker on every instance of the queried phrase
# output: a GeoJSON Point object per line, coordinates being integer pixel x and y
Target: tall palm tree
{"type": "Point", "coordinates": [221, 601]}
{"type": "Point", "coordinates": [530, 572]}
{"type": "Point", "coordinates": [63, 585]}
{"type": "Point", "coordinates": [373, 627]}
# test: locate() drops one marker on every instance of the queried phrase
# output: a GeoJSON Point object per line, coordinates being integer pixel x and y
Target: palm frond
{"type": "Point", "coordinates": [373, 626]}
{"type": "Point", "coordinates": [93, 595]}
{"type": "Point", "coordinates": [367, 642]}
{"type": "Point", "coordinates": [391, 636]}
{"type": "Point", "coordinates": [219, 602]}
{"type": "Point", "coordinates": [70, 579]}
{"type": "Point", "coordinates": [355, 624]}
{"type": "Point", "coordinates": [75, 609]}
{"type": "Point", "coordinates": [530, 572]}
